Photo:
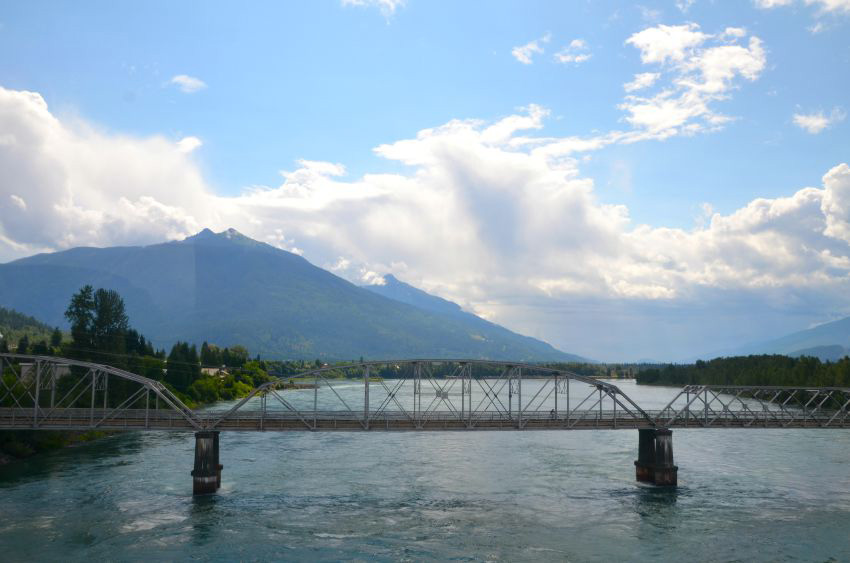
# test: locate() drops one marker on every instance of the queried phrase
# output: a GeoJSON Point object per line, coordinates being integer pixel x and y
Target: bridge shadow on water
{"type": "Point", "coordinates": [204, 515]}
{"type": "Point", "coordinates": [657, 507]}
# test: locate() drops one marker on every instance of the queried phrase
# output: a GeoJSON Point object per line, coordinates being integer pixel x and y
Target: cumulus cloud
{"type": "Point", "coordinates": [493, 215]}
{"type": "Point", "coordinates": [696, 69]}
{"type": "Point", "coordinates": [524, 53]}
{"type": "Point", "coordinates": [576, 52]}
{"type": "Point", "coordinates": [188, 144]}
{"type": "Point", "coordinates": [188, 84]}
{"type": "Point", "coordinates": [816, 122]}
{"type": "Point", "coordinates": [79, 186]}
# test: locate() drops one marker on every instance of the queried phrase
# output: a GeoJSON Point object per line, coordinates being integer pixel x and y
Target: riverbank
{"type": "Point", "coordinates": [22, 444]}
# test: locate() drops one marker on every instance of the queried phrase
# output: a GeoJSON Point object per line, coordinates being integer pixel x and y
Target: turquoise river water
{"type": "Point", "coordinates": [744, 495]}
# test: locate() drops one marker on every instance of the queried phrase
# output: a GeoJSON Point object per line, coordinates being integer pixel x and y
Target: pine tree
{"type": "Point", "coordinates": [56, 338]}
{"type": "Point", "coordinates": [80, 315]}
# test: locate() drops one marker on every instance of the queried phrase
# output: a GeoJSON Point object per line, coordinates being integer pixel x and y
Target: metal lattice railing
{"type": "Point", "coordinates": [49, 392]}
{"type": "Point", "coordinates": [38, 392]}
{"type": "Point", "coordinates": [749, 406]}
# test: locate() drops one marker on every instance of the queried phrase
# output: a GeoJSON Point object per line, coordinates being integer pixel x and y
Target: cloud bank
{"type": "Point", "coordinates": [480, 200]}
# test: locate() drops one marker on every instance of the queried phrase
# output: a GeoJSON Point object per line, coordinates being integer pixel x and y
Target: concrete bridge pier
{"type": "Point", "coordinates": [655, 457]}
{"type": "Point", "coordinates": [206, 476]}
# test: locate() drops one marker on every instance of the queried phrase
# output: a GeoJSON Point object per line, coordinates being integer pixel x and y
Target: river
{"type": "Point", "coordinates": [744, 495]}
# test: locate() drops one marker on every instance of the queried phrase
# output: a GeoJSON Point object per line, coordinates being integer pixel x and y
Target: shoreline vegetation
{"type": "Point", "coordinates": [772, 370]}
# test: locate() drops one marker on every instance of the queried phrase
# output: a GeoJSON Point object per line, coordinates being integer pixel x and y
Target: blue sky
{"type": "Point", "coordinates": [257, 90]}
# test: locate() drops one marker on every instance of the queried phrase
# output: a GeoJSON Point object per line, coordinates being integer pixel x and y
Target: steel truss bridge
{"type": "Point", "coordinates": [49, 393]}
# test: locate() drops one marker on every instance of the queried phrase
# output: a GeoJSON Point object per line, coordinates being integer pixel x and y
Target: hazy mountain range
{"type": "Point", "coordinates": [228, 289]}
{"type": "Point", "coordinates": [829, 341]}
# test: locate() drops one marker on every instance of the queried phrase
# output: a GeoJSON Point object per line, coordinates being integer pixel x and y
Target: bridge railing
{"type": "Point", "coordinates": [425, 392]}
{"type": "Point", "coordinates": [719, 405]}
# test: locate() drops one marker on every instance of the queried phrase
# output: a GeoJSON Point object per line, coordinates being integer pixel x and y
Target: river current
{"type": "Point", "coordinates": [743, 495]}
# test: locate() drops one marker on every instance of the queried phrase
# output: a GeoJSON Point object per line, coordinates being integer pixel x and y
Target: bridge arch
{"type": "Point", "coordinates": [49, 392]}
{"type": "Point", "coordinates": [458, 393]}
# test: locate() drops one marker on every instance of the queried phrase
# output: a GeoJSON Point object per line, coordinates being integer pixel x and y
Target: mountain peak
{"type": "Point", "coordinates": [208, 236]}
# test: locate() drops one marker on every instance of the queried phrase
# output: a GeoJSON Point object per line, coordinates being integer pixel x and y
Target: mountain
{"type": "Point", "coordinates": [829, 341]}
{"type": "Point", "coordinates": [825, 353]}
{"type": "Point", "coordinates": [397, 290]}
{"type": "Point", "coordinates": [228, 289]}
{"type": "Point", "coordinates": [13, 325]}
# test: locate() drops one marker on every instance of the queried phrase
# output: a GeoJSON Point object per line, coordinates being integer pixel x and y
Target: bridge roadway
{"type": "Point", "coordinates": [50, 393]}
{"type": "Point", "coordinates": [257, 421]}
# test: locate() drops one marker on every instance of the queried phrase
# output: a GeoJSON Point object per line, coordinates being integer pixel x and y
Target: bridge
{"type": "Point", "coordinates": [50, 393]}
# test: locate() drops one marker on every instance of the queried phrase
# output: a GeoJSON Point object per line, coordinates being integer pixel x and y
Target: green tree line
{"type": "Point", "coordinates": [752, 370]}
{"type": "Point", "coordinates": [100, 332]}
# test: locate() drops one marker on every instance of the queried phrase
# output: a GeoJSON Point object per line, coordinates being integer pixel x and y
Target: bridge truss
{"type": "Point", "coordinates": [45, 392]}
{"type": "Point", "coordinates": [39, 392]}
{"type": "Point", "coordinates": [731, 406]}
{"type": "Point", "coordinates": [432, 395]}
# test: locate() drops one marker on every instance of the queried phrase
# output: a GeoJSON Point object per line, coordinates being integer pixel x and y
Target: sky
{"type": "Point", "coordinates": [661, 180]}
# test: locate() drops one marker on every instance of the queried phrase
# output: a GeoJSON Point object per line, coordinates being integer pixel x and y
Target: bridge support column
{"type": "Point", "coordinates": [206, 476]}
{"type": "Point", "coordinates": [645, 463]}
{"type": "Point", "coordinates": [655, 457]}
{"type": "Point", "coordinates": [665, 470]}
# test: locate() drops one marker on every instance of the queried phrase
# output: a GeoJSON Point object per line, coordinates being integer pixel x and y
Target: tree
{"type": "Point", "coordinates": [80, 315]}
{"type": "Point", "coordinates": [4, 348]}
{"type": "Point", "coordinates": [183, 366]}
{"type": "Point", "coordinates": [56, 338]}
{"type": "Point", "coordinates": [210, 355]}
{"type": "Point", "coordinates": [235, 356]}
{"type": "Point", "coordinates": [110, 321]}
{"type": "Point", "coordinates": [99, 325]}
{"type": "Point", "coordinates": [23, 345]}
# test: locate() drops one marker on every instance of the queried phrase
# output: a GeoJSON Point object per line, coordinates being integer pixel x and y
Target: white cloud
{"type": "Point", "coordinates": [490, 216]}
{"type": "Point", "coordinates": [387, 7]}
{"type": "Point", "coordinates": [84, 187]}
{"type": "Point", "coordinates": [576, 52]}
{"type": "Point", "coordinates": [188, 84]}
{"type": "Point", "coordinates": [684, 5]}
{"type": "Point", "coordinates": [823, 9]}
{"type": "Point", "coordinates": [816, 122]}
{"type": "Point", "coordinates": [701, 69]}
{"type": "Point", "coordinates": [665, 43]}
{"type": "Point", "coordinates": [524, 53]}
{"type": "Point", "coordinates": [649, 15]}
{"type": "Point", "coordinates": [18, 201]}
{"type": "Point", "coordinates": [641, 81]}
{"type": "Point", "coordinates": [188, 144]}
{"type": "Point", "coordinates": [823, 6]}
{"type": "Point", "coordinates": [767, 4]}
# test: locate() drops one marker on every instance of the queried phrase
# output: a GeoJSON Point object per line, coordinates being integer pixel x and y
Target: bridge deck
{"type": "Point", "coordinates": [165, 420]}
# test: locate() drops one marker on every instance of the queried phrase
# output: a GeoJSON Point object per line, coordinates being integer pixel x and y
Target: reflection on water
{"type": "Point", "coordinates": [744, 495]}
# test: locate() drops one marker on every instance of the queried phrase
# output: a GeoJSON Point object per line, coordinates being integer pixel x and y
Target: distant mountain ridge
{"type": "Point", "coordinates": [229, 289]}
{"type": "Point", "coordinates": [395, 289]}
{"type": "Point", "coordinates": [829, 342]}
